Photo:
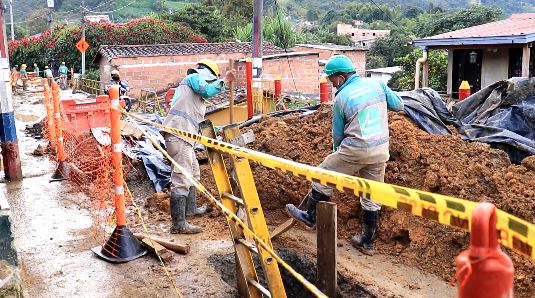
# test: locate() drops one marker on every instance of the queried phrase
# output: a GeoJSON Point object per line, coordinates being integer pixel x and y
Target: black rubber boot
{"type": "Point", "coordinates": [308, 217]}
{"type": "Point", "coordinates": [364, 241]}
{"type": "Point", "coordinates": [191, 204]}
{"type": "Point", "coordinates": [178, 216]}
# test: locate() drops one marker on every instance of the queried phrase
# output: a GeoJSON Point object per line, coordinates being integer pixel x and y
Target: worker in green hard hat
{"type": "Point", "coordinates": [360, 142]}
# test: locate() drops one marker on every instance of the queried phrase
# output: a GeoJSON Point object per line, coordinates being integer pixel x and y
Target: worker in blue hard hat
{"type": "Point", "coordinates": [360, 142]}
{"type": "Point", "coordinates": [188, 108]}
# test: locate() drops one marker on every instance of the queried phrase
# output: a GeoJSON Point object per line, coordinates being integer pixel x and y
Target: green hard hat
{"type": "Point", "coordinates": [338, 63]}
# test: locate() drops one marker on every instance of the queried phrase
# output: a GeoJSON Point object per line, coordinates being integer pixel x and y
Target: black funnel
{"type": "Point", "coordinates": [62, 172]}
{"type": "Point", "coordinates": [122, 247]}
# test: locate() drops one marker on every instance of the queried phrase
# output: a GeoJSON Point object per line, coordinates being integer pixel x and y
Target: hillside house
{"type": "Point", "coordinates": [486, 53]}
{"type": "Point", "coordinates": [325, 51]}
{"type": "Point", "coordinates": [359, 36]}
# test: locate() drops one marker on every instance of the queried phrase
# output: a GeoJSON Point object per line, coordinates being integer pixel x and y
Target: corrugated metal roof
{"type": "Point", "coordinates": [517, 29]}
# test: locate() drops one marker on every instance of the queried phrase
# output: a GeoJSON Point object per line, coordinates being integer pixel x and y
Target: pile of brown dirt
{"type": "Point", "coordinates": [441, 164]}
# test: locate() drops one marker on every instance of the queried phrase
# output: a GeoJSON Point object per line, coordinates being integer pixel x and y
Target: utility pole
{"type": "Point", "coordinates": [50, 4]}
{"type": "Point", "coordinates": [11, 18]}
{"type": "Point", "coordinates": [8, 133]}
{"type": "Point", "coordinates": [258, 13]}
{"type": "Point", "coordinates": [83, 36]}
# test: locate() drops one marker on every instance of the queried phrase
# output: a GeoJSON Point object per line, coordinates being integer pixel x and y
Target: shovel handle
{"type": "Point", "coordinates": [288, 224]}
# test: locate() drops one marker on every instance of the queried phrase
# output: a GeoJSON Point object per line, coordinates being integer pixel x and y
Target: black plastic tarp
{"type": "Point", "coordinates": [501, 114]}
{"type": "Point", "coordinates": [428, 110]}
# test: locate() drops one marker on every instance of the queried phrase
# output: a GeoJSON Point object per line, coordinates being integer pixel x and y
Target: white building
{"type": "Point", "coordinates": [384, 74]}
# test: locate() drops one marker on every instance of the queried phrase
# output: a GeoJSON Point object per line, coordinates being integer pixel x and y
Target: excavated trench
{"type": "Point", "coordinates": [306, 266]}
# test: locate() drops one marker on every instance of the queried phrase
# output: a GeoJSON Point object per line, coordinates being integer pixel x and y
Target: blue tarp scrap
{"type": "Point", "coordinates": [158, 171]}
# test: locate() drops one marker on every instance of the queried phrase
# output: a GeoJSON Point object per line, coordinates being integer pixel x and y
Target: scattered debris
{"type": "Point", "coordinates": [39, 151]}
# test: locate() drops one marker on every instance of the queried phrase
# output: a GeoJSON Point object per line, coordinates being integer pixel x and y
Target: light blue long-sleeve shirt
{"type": "Point", "coordinates": [63, 69]}
{"type": "Point", "coordinates": [200, 86]}
{"type": "Point", "coordinates": [360, 117]}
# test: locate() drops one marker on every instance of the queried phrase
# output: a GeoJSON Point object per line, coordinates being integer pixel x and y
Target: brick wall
{"type": "Point", "coordinates": [159, 72]}
{"type": "Point", "coordinates": [299, 74]}
{"type": "Point", "coordinates": [357, 56]}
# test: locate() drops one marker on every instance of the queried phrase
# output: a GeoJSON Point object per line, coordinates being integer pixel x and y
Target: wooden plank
{"type": "Point", "coordinates": [327, 237]}
{"type": "Point", "coordinates": [525, 60]}
{"type": "Point", "coordinates": [231, 99]}
{"type": "Point", "coordinates": [157, 249]}
{"type": "Point", "coordinates": [174, 246]}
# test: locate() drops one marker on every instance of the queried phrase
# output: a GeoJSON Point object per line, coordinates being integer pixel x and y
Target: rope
{"type": "Point", "coordinates": [228, 214]}
{"type": "Point", "coordinates": [146, 230]}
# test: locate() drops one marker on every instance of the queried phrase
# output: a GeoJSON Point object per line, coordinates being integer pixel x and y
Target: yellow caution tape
{"type": "Point", "coordinates": [230, 216]}
{"type": "Point", "coordinates": [515, 233]}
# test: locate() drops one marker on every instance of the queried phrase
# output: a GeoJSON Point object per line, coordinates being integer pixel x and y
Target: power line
{"type": "Point", "coordinates": [387, 15]}
{"type": "Point", "coordinates": [111, 11]}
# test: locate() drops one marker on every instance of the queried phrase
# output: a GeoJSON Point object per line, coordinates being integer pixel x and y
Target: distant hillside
{"type": "Point", "coordinates": [300, 7]}
{"type": "Point", "coordinates": [30, 15]}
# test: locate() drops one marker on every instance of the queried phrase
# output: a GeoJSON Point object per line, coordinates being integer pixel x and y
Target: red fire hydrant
{"type": "Point", "coordinates": [484, 270]}
{"type": "Point", "coordinates": [464, 90]}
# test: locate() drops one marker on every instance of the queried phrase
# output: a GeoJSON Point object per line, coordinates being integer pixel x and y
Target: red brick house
{"type": "Point", "coordinates": [159, 66]}
{"type": "Point", "coordinates": [299, 72]}
{"type": "Point", "coordinates": [325, 51]}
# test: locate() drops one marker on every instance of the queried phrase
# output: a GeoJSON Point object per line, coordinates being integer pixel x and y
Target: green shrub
{"type": "Point", "coordinates": [59, 44]}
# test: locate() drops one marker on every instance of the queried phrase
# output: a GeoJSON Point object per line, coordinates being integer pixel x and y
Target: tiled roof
{"type": "Point", "coordinates": [516, 24]}
{"type": "Point", "coordinates": [222, 100]}
{"type": "Point", "coordinates": [329, 47]}
{"type": "Point", "coordinates": [179, 49]}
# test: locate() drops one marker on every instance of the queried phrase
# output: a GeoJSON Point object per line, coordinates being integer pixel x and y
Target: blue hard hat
{"type": "Point", "coordinates": [339, 63]}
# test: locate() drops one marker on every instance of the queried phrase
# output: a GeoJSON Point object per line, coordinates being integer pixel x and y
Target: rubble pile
{"type": "Point", "coordinates": [435, 163]}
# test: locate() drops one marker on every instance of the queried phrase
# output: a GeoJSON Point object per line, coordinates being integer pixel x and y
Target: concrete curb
{"type": "Point", "coordinates": [9, 272]}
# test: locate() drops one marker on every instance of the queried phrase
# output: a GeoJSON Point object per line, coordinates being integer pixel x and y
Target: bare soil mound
{"type": "Point", "coordinates": [441, 164]}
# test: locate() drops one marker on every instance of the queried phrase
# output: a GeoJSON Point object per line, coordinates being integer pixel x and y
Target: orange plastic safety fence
{"type": "Point", "coordinates": [89, 161]}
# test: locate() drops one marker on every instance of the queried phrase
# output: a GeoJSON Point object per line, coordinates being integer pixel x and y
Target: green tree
{"type": "Point", "coordinates": [277, 30]}
{"type": "Point", "coordinates": [237, 12]}
{"type": "Point", "coordinates": [159, 5]}
{"type": "Point", "coordinates": [395, 45]}
{"type": "Point", "coordinates": [313, 15]}
{"type": "Point", "coordinates": [438, 70]}
{"type": "Point", "coordinates": [433, 24]}
{"type": "Point", "coordinates": [374, 61]}
{"type": "Point", "coordinates": [203, 19]}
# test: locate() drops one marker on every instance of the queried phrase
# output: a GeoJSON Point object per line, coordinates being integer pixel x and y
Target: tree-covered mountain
{"type": "Point", "coordinates": [30, 16]}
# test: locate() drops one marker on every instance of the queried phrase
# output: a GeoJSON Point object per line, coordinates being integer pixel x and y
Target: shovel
{"type": "Point", "coordinates": [288, 224]}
